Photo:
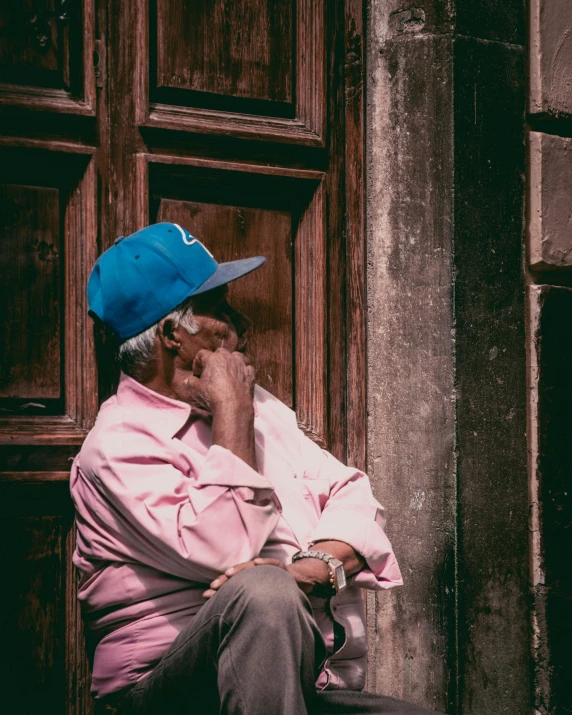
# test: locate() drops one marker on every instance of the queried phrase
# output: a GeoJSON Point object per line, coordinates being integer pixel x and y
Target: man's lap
{"type": "Point", "coordinates": [185, 681]}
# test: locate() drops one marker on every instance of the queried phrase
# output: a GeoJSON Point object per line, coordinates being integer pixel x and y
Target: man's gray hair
{"type": "Point", "coordinates": [137, 353]}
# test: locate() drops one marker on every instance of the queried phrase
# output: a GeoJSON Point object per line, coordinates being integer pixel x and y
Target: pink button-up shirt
{"type": "Point", "coordinates": [161, 512]}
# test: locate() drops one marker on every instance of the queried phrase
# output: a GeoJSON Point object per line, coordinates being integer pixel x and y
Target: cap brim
{"type": "Point", "coordinates": [227, 272]}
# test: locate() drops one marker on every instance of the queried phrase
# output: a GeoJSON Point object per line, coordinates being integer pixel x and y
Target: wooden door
{"type": "Point", "coordinates": [242, 121]}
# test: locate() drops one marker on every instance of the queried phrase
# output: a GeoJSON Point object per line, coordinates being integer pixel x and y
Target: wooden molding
{"type": "Point", "coordinates": [60, 430]}
{"type": "Point", "coordinates": [50, 100]}
{"type": "Point", "coordinates": [307, 128]}
{"type": "Point", "coordinates": [79, 179]}
{"type": "Point", "coordinates": [219, 165]}
{"type": "Point", "coordinates": [33, 477]}
{"type": "Point", "coordinates": [355, 248]}
{"type": "Point", "coordinates": [311, 368]}
{"type": "Point", "coordinates": [78, 700]}
{"type": "Point", "coordinates": [311, 65]}
{"type": "Point", "coordinates": [80, 378]}
{"type": "Point", "coordinates": [241, 126]}
{"type": "Point", "coordinates": [65, 147]}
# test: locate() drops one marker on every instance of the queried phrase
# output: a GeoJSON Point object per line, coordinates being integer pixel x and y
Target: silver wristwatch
{"type": "Point", "coordinates": [335, 566]}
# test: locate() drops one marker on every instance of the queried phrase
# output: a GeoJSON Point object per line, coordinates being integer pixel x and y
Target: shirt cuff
{"type": "Point", "coordinates": [363, 533]}
{"type": "Point", "coordinates": [223, 468]}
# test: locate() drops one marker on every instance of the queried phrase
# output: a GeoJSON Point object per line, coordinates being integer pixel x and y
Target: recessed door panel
{"type": "Point", "coordinates": [238, 49]}
{"type": "Point", "coordinates": [234, 232]}
{"type": "Point", "coordinates": [32, 604]}
{"type": "Point", "coordinates": [31, 269]}
{"type": "Point", "coordinates": [241, 211]}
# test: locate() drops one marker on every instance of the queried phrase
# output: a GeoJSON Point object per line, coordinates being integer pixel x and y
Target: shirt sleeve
{"type": "Point", "coordinates": [352, 514]}
{"type": "Point", "coordinates": [136, 502]}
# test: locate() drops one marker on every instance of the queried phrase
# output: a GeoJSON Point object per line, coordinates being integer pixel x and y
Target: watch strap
{"type": "Point", "coordinates": [332, 563]}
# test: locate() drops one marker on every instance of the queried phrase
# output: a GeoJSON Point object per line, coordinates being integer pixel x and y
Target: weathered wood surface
{"type": "Point", "coordinates": [31, 264]}
{"type": "Point", "coordinates": [245, 141]}
{"type": "Point", "coordinates": [239, 49]}
{"type": "Point", "coordinates": [33, 618]}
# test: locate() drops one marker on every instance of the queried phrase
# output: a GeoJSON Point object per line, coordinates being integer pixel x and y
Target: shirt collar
{"type": "Point", "coordinates": [134, 395]}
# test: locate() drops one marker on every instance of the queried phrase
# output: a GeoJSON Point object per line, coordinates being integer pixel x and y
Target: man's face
{"type": "Point", "coordinates": [221, 326]}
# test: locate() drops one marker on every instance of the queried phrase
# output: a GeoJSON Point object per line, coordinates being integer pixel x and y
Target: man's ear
{"type": "Point", "coordinates": [167, 334]}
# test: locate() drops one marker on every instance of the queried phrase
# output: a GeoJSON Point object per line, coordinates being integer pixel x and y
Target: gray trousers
{"type": "Point", "coordinates": [253, 649]}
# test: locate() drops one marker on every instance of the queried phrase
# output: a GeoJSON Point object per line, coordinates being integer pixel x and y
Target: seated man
{"type": "Point", "coordinates": [221, 552]}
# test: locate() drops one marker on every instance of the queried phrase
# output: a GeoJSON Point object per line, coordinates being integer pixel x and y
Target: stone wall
{"type": "Point", "coordinates": [549, 259]}
{"type": "Point", "coordinates": [447, 370]}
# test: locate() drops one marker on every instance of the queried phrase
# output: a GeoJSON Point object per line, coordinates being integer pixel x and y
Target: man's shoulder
{"type": "Point", "coordinates": [270, 407]}
{"type": "Point", "coordinates": [119, 431]}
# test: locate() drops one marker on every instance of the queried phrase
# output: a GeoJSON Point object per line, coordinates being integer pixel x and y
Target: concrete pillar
{"type": "Point", "coordinates": [447, 359]}
{"type": "Point", "coordinates": [550, 344]}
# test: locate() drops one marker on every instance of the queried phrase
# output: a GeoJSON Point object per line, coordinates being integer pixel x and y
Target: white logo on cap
{"type": "Point", "coordinates": [190, 243]}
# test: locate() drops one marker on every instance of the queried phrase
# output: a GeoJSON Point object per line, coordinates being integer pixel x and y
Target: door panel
{"type": "Point", "coordinates": [32, 551]}
{"type": "Point", "coordinates": [256, 68]}
{"type": "Point", "coordinates": [48, 242]}
{"type": "Point", "coordinates": [235, 232]}
{"type": "Point", "coordinates": [287, 224]}
{"type": "Point", "coordinates": [238, 120]}
{"type": "Point", "coordinates": [47, 373]}
{"type": "Point", "coordinates": [240, 49]}
{"type": "Point", "coordinates": [46, 54]}
{"type": "Point", "coordinates": [31, 268]}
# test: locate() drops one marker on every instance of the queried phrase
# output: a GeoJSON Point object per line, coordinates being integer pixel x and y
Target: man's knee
{"type": "Point", "coordinates": [267, 589]}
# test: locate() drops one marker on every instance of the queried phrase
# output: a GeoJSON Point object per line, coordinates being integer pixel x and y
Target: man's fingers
{"type": "Point", "coordinates": [229, 573]}
{"type": "Point", "coordinates": [195, 392]}
{"type": "Point", "coordinates": [238, 568]}
{"type": "Point", "coordinates": [218, 582]}
{"type": "Point", "coordinates": [244, 357]}
{"type": "Point", "coordinates": [270, 562]}
{"type": "Point", "coordinates": [201, 359]}
{"type": "Point", "coordinates": [215, 585]}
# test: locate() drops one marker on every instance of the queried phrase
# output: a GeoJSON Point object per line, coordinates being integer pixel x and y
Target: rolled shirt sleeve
{"type": "Point", "coordinates": [352, 514]}
{"type": "Point", "coordinates": [183, 514]}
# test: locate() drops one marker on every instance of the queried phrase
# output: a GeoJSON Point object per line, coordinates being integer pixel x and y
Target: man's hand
{"type": "Point", "coordinates": [220, 379]}
{"type": "Point", "coordinates": [308, 573]}
{"type": "Point", "coordinates": [229, 573]}
{"type": "Point", "coordinates": [223, 383]}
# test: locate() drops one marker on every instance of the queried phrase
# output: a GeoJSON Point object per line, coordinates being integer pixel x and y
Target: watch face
{"type": "Point", "coordinates": [340, 577]}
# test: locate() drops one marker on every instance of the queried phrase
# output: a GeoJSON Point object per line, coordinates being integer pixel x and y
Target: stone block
{"type": "Point", "coordinates": [497, 20]}
{"type": "Point", "coordinates": [550, 202]}
{"type": "Point", "coordinates": [550, 57]}
{"type": "Point", "coordinates": [395, 19]}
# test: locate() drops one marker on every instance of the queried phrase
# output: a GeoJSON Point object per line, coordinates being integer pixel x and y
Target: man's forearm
{"type": "Point", "coordinates": [352, 561]}
{"type": "Point", "coordinates": [233, 428]}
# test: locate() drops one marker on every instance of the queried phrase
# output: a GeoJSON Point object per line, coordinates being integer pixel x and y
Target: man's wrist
{"type": "Point", "coordinates": [337, 576]}
{"type": "Point", "coordinates": [311, 575]}
{"type": "Point", "coordinates": [234, 406]}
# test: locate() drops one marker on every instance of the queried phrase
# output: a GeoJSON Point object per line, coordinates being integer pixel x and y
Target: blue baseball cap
{"type": "Point", "coordinates": [146, 275]}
